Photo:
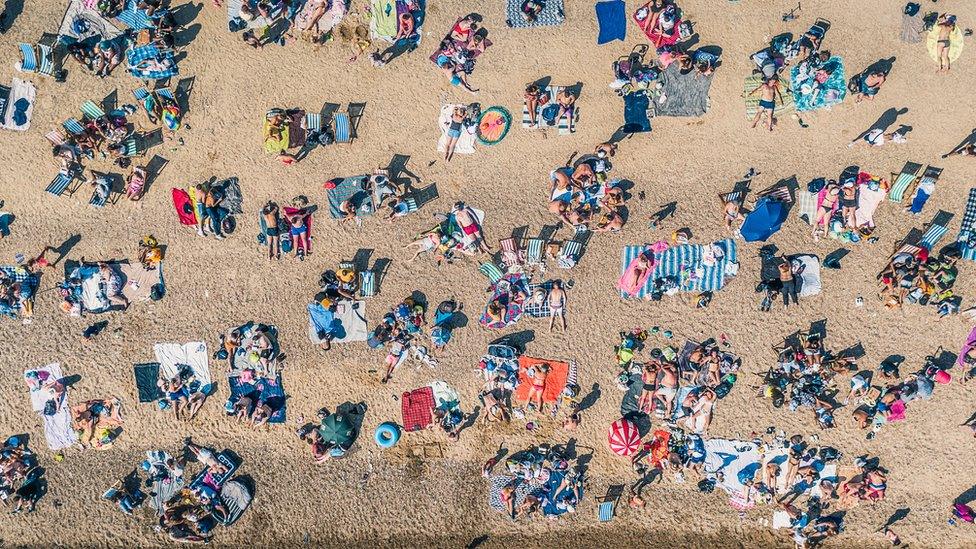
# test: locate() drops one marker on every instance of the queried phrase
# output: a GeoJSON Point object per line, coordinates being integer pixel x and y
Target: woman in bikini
{"type": "Point", "coordinates": [538, 381]}
{"type": "Point", "coordinates": [827, 207]}
{"type": "Point", "coordinates": [532, 95]}
{"type": "Point", "coordinates": [733, 214]}
{"type": "Point", "coordinates": [135, 183]}
{"type": "Point", "coordinates": [453, 132]}
{"type": "Point", "coordinates": [848, 203]}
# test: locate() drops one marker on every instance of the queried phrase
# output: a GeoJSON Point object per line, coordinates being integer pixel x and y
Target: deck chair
{"type": "Point", "coordinates": [967, 228]}
{"type": "Point", "coordinates": [342, 126]}
{"type": "Point", "coordinates": [931, 237]}
{"type": "Point", "coordinates": [313, 121]}
{"type": "Point", "coordinates": [819, 29]}
{"type": "Point", "coordinates": [130, 147]}
{"type": "Point", "coordinates": [902, 181]}
{"type": "Point", "coordinates": [56, 137]}
{"type": "Point", "coordinates": [45, 55]}
{"type": "Point", "coordinates": [92, 110]}
{"type": "Point", "coordinates": [491, 271]}
{"type": "Point", "coordinates": [61, 183]}
{"type": "Point", "coordinates": [569, 254]}
{"type": "Point", "coordinates": [534, 257]}
{"type": "Point", "coordinates": [608, 504]}
{"type": "Point", "coordinates": [923, 191]}
{"type": "Point", "coordinates": [73, 126]}
{"type": "Point", "coordinates": [738, 197]}
{"type": "Point", "coordinates": [367, 283]}
{"type": "Point", "coordinates": [28, 57]}
{"type": "Point", "coordinates": [511, 254]}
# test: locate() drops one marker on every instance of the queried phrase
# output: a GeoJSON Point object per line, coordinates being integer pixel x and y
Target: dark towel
{"type": "Point", "coordinates": [146, 377]}
{"type": "Point", "coordinates": [635, 113]}
{"type": "Point", "coordinates": [612, 19]}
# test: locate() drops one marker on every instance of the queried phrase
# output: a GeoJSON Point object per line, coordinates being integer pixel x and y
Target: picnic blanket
{"type": "Point", "coordinates": [684, 94]}
{"type": "Point", "coordinates": [786, 106]}
{"type": "Point", "coordinates": [146, 376]}
{"type": "Point", "coordinates": [546, 113]}
{"type": "Point", "coordinates": [351, 317]}
{"type": "Point", "coordinates": [810, 275]}
{"type": "Point", "coordinates": [955, 43]}
{"type": "Point", "coordinates": [465, 143]}
{"type": "Point", "coordinates": [868, 202]}
{"type": "Point", "coordinates": [270, 391]}
{"type": "Point", "coordinates": [636, 106]}
{"type": "Point", "coordinates": [556, 379]}
{"type": "Point", "coordinates": [57, 426]}
{"type": "Point", "coordinates": [536, 306]}
{"type": "Point", "coordinates": [82, 21]}
{"type": "Point", "coordinates": [508, 292]}
{"type": "Point", "coordinates": [172, 356]}
{"type": "Point", "coordinates": [138, 281]}
{"type": "Point", "coordinates": [656, 37]}
{"type": "Point", "coordinates": [163, 492]}
{"type": "Point", "coordinates": [497, 482]}
{"type": "Point", "coordinates": [967, 228]}
{"type": "Point", "coordinates": [19, 105]}
{"type": "Point", "coordinates": [831, 92]}
{"type": "Point", "coordinates": [352, 189]}
{"type": "Point", "coordinates": [611, 18]}
{"type": "Point", "coordinates": [551, 14]}
{"type": "Point", "coordinates": [415, 408]}
{"type": "Point", "coordinates": [135, 56]}
{"type": "Point", "coordinates": [738, 461]}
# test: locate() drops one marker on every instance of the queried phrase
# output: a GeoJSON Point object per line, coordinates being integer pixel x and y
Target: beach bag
{"type": "Point", "coordinates": [550, 112]}
{"type": "Point", "coordinates": [817, 185]}
{"type": "Point", "coordinates": [157, 292]}
{"type": "Point", "coordinates": [50, 408]}
{"type": "Point", "coordinates": [964, 512]}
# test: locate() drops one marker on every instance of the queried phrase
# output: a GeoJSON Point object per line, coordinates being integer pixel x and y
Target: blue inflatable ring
{"type": "Point", "coordinates": [387, 435]}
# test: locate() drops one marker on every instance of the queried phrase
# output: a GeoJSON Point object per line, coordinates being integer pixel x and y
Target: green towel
{"type": "Point", "coordinates": [384, 18]}
{"type": "Point", "coordinates": [752, 101]}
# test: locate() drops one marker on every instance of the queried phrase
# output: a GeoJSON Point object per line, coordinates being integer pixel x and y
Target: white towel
{"type": "Point", "coordinates": [193, 354]}
{"type": "Point", "coordinates": [19, 89]}
{"type": "Point", "coordinates": [57, 427]}
{"type": "Point", "coordinates": [465, 143]}
{"type": "Point", "coordinates": [353, 321]}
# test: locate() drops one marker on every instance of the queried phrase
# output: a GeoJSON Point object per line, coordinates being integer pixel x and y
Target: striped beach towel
{"type": "Point", "coordinates": [967, 229]}
{"type": "Point", "coordinates": [685, 263]}
{"type": "Point", "coordinates": [786, 106]}
{"type": "Point", "coordinates": [567, 124]}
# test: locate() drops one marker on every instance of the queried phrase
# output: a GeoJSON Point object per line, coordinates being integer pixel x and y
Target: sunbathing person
{"type": "Point", "coordinates": [136, 183]}
{"type": "Point", "coordinates": [667, 386]}
{"type": "Point", "coordinates": [968, 149]}
{"type": "Point", "coordinates": [270, 214]}
{"type": "Point", "coordinates": [868, 85]}
{"type": "Point", "coordinates": [848, 204]}
{"type": "Point", "coordinates": [206, 457]}
{"type": "Point", "coordinates": [113, 286]}
{"type": "Point", "coordinates": [469, 226]}
{"type": "Point", "coordinates": [454, 132]}
{"type": "Point", "coordinates": [827, 206]}
{"type": "Point", "coordinates": [788, 282]}
{"type": "Point", "coordinates": [567, 105]}
{"type": "Point", "coordinates": [211, 199]}
{"type": "Point", "coordinates": [701, 412]}
{"type": "Point", "coordinates": [262, 414]}
{"type": "Point", "coordinates": [532, 96]}
{"type": "Point", "coordinates": [561, 192]}
{"type": "Point", "coordinates": [946, 25]}
{"type": "Point", "coordinates": [108, 55]}
{"type": "Point", "coordinates": [557, 305]}
{"type": "Point", "coordinates": [101, 187]}
{"type": "Point", "coordinates": [648, 385]}
{"type": "Point", "coordinates": [769, 90]}
{"type": "Point", "coordinates": [299, 233]}
{"type": "Point", "coordinates": [424, 244]}
{"type": "Point", "coordinates": [538, 381]}
{"type": "Point", "coordinates": [732, 214]}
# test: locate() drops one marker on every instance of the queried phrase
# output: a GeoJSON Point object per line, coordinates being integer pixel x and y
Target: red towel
{"type": "Point", "coordinates": [184, 206]}
{"type": "Point", "coordinates": [416, 408]}
{"type": "Point", "coordinates": [555, 381]}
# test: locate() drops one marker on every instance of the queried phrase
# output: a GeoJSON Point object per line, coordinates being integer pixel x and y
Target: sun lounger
{"type": "Point", "coordinates": [92, 110]}
{"type": "Point", "coordinates": [491, 271]}
{"type": "Point", "coordinates": [56, 137]}
{"type": "Point", "coordinates": [569, 254]}
{"type": "Point", "coordinates": [903, 181]}
{"type": "Point", "coordinates": [313, 121]}
{"type": "Point", "coordinates": [62, 182]}
{"type": "Point", "coordinates": [608, 503]}
{"type": "Point", "coordinates": [967, 229]}
{"type": "Point", "coordinates": [931, 237]}
{"type": "Point", "coordinates": [73, 126]}
{"type": "Point", "coordinates": [567, 124]}
{"type": "Point", "coordinates": [367, 283]}
{"type": "Point", "coordinates": [924, 189]}
{"type": "Point", "coordinates": [511, 254]}
{"type": "Point", "coordinates": [534, 254]}
{"type": "Point", "coordinates": [28, 57]}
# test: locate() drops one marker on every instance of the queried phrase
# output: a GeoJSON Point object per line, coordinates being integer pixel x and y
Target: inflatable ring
{"type": "Point", "coordinates": [387, 435]}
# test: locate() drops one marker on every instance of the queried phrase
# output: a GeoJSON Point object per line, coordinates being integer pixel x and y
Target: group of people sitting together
{"type": "Point", "coordinates": [104, 55]}
{"type": "Point", "coordinates": [98, 422]}
{"type": "Point", "coordinates": [184, 393]}
{"type": "Point", "coordinates": [918, 277]}
{"type": "Point", "coordinates": [379, 194]}
{"type": "Point", "coordinates": [21, 478]}
{"type": "Point", "coordinates": [460, 48]}
{"type": "Point", "coordinates": [254, 359]}
{"type": "Point", "coordinates": [400, 330]}
{"type": "Point", "coordinates": [18, 284]}
{"type": "Point", "coordinates": [838, 203]}
{"type": "Point", "coordinates": [537, 468]}
{"type": "Point", "coordinates": [458, 232]}
{"type": "Point", "coordinates": [337, 425]}
{"type": "Point", "coordinates": [286, 228]}
{"type": "Point", "coordinates": [584, 196]}
{"type": "Point", "coordinates": [109, 283]}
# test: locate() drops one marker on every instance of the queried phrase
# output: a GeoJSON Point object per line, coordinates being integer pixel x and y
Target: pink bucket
{"type": "Point", "coordinates": [943, 377]}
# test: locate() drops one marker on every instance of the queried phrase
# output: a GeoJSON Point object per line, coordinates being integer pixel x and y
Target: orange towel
{"type": "Point", "coordinates": [555, 381]}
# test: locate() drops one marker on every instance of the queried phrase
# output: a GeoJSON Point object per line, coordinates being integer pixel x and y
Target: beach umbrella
{"type": "Point", "coordinates": [493, 125]}
{"type": "Point", "coordinates": [338, 430]}
{"type": "Point", "coordinates": [624, 438]}
{"type": "Point", "coordinates": [763, 221]}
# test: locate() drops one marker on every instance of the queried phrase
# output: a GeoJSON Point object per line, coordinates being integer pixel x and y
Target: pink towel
{"type": "Point", "coordinates": [627, 282]}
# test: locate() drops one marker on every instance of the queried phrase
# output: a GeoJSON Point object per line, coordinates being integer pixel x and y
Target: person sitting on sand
{"type": "Point", "coordinates": [557, 305]}
{"type": "Point", "coordinates": [968, 149]}
{"type": "Point", "coordinates": [609, 222]}
{"type": "Point", "coordinates": [176, 393]}
{"type": "Point", "coordinates": [530, 10]}
{"type": "Point", "coordinates": [262, 414]}
{"type": "Point", "coordinates": [946, 25]}
{"type": "Point", "coordinates": [205, 456]}
{"type": "Point", "coordinates": [454, 132]}
{"type": "Point", "coordinates": [108, 55]}
{"type": "Point", "coordinates": [769, 90]}
{"type": "Point", "coordinates": [270, 214]}
{"type": "Point", "coordinates": [868, 85]}
{"type": "Point", "coordinates": [732, 214]}
{"type": "Point", "coordinates": [538, 385]}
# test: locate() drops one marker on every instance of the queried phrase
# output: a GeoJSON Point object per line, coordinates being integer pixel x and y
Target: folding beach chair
{"type": "Point", "coordinates": [28, 57]}
{"type": "Point", "coordinates": [130, 147]}
{"type": "Point", "coordinates": [534, 257]}
{"type": "Point", "coordinates": [819, 29]}
{"type": "Point", "coordinates": [967, 229]}
{"type": "Point", "coordinates": [924, 189]}
{"type": "Point", "coordinates": [738, 197]}
{"type": "Point", "coordinates": [73, 126]}
{"type": "Point", "coordinates": [511, 254]}
{"type": "Point", "coordinates": [902, 181]}
{"type": "Point", "coordinates": [56, 137]}
{"type": "Point", "coordinates": [608, 503]}
{"type": "Point", "coordinates": [99, 201]}
{"type": "Point", "coordinates": [569, 254]}
{"type": "Point", "coordinates": [91, 110]}
{"type": "Point", "coordinates": [342, 126]}
{"type": "Point", "coordinates": [313, 121]}
{"type": "Point", "coordinates": [61, 183]}
{"type": "Point", "coordinates": [932, 236]}
{"type": "Point", "coordinates": [367, 283]}
{"type": "Point", "coordinates": [45, 55]}
{"type": "Point", "coordinates": [491, 271]}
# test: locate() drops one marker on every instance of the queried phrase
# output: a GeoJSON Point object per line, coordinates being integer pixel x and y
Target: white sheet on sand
{"type": "Point", "coordinates": [465, 143]}
{"type": "Point", "coordinates": [95, 24]}
{"type": "Point", "coordinates": [443, 393]}
{"type": "Point", "coordinates": [139, 281]}
{"type": "Point", "coordinates": [810, 276]}
{"type": "Point", "coordinates": [353, 321]}
{"type": "Point", "coordinates": [57, 427]}
{"type": "Point", "coordinates": [92, 296]}
{"type": "Point", "coordinates": [868, 202]}
{"type": "Point", "coordinates": [194, 354]}
{"type": "Point", "coordinates": [734, 459]}
{"type": "Point", "coordinates": [20, 91]}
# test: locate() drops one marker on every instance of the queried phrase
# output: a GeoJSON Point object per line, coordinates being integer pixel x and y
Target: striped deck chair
{"type": "Point", "coordinates": [28, 56]}
{"type": "Point", "coordinates": [130, 147]}
{"type": "Point", "coordinates": [45, 56]}
{"type": "Point", "coordinates": [491, 271]}
{"type": "Point", "coordinates": [313, 121]}
{"type": "Point", "coordinates": [92, 110]}
{"type": "Point", "coordinates": [511, 254]}
{"type": "Point", "coordinates": [902, 181]}
{"type": "Point", "coordinates": [98, 201]}
{"type": "Point", "coordinates": [367, 283]}
{"type": "Point", "coordinates": [73, 126]}
{"type": "Point", "coordinates": [342, 124]}
{"type": "Point", "coordinates": [569, 254]}
{"type": "Point", "coordinates": [807, 205]}
{"type": "Point", "coordinates": [60, 183]}
{"type": "Point", "coordinates": [56, 137]}
{"type": "Point", "coordinates": [411, 204]}
{"type": "Point", "coordinates": [967, 229]}
{"type": "Point", "coordinates": [534, 257]}
{"type": "Point", "coordinates": [932, 236]}
{"type": "Point", "coordinates": [608, 503]}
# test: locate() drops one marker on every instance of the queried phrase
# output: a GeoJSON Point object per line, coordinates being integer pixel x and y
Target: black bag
{"type": "Point", "coordinates": [50, 408]}
{"type": "Point", "coordinates": [911, 9]}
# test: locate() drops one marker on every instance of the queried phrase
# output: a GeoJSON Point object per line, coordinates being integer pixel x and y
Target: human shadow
{"type": "Point", "coordinates": [11, 11]}
{"type": "Point", "coordinates": [590, 398]}
{"type": "Point", "coordinates": [885, 121]}
{"type": "Point", "coordinates": [969, 140]}
{"type": "Point", "coordinates": [881, 66]}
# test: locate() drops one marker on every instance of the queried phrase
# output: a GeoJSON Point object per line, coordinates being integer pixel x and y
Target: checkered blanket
{"type": "Point", "coordinates": [135, 56]}
{"type": "Point", "coordinates": [967, 229]}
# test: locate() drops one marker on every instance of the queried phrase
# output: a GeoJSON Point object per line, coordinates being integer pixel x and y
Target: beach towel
{"type": "Point", "coordinates": [738, 461]}
{"type": "Point", "coordinates": [352, 189]}
{"type": "Point", "coordinates": [332, 17]}
{"type": "Point", "coordinates": [535, 308]}
{"type": "Point", "coordinates": [687, 264]}
{"type": "Point", "coordinates": [445, 397]}
{"type": "Point", "coordinates": [868, 202]}
{"type": "Point", "coordinates": [566, 125]}
{"type": "Point", "coordinates": [270, 391]}
{"type": "Point", "coordinates": [415, 409]}
{"type": "Point", "coordinates": [508, 292]}
{"type": "Point", "coordinates": [556, 380]}
{"type": "Point", "coordinates": [172, 356]}
{"type": "Point", "coordinates": [551, 507]}
{"type": "Point", "coordinates": [912, 27]}
{"type": "Point", "coordinates": [236, 497]}
{"type": "Point", "coordinates": [82, 21]}
{"type": "Point", "coordinates": [784, 107]}
{"type": "Point", "coordinates": [137, 55]}
{"type": "Point", "coordinates": [57, 426]}
{"type": "Point", "coordinates": [19, 105]}
{"type": "Point", "coordinates": [213, 480]}
{"type": "Point", "coordinates": [383, 22]}
{"type": "Point", "coordinates": [807, 205]}
{"type": "Point", "coordinates": [955, 43]}
{"type": "Point", "coordinates": [497, 482]}
{"type": "Point", "coordinates": [184, 207]}
{"type": "Point", "coordinates": [831, 92]}
{"type": "Point", "coordinates": [629, 288]}
{"type": "Point", "coordinates": [161, 492]}
{"type": "Point", "coordinates": [968, 346]}
{"type": "Point", "coordinates": [465, 143]}
{"type": "Point", "coordinates": [350, 322]}
{"type": "Point", "coordinates": [611, 18]}
{"type": "Point", "coordinates": [642, 14]}
{"type": "Point", "coordinates": [810, 275]}
{"type": "Point", "coordinates": [146, 377]}
{"type": "Point", "coordinates": [684, 94]}
{"type": "Point", "coordinates": [636, 106]}
{"type": "Point", "coordinates": [138, 281]}
{"type": "Point", "coordinates": [967, 228]}
{"type": "Point", "coordinates": [551, 14]}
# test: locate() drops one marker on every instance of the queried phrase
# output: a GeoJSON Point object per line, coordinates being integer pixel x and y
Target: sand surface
{"type": "Point", "coordinates": [441, 501]}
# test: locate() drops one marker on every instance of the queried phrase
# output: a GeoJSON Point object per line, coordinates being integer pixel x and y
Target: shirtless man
{"type": "Point", "coordinates": [176, 393]}
{"type": "Point", "coordinates": [205, 456]}
{"type": "Point", "coordinates": [769, 90]}
{"type": "Point", "coordinates": [557, 305]}
{"type": "Point", "coordinates": [242, 407]}
{"type": "Point", "coordinates": [270, 215]}
{"type": "Point", "coordinates": [561, 190]}
{"type": "Point", "coordinates": [667, 386]}
{"type": "Point", "coordinates": [648, 380]}
{"type": "Point", "coordinates": [946, 25]}
{"type": "Point", "coordinates": [566, 101]}
{"type": "Point", "coordinates": [469, 226]}
{"type": "Point", "coordinates": [113, 286]}
{"type": "Point", "coordinates": [609, 222]}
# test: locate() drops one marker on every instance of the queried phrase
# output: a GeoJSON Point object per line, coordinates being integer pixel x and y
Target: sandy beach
{"type": "Point", "coordinates": [395, 498]}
